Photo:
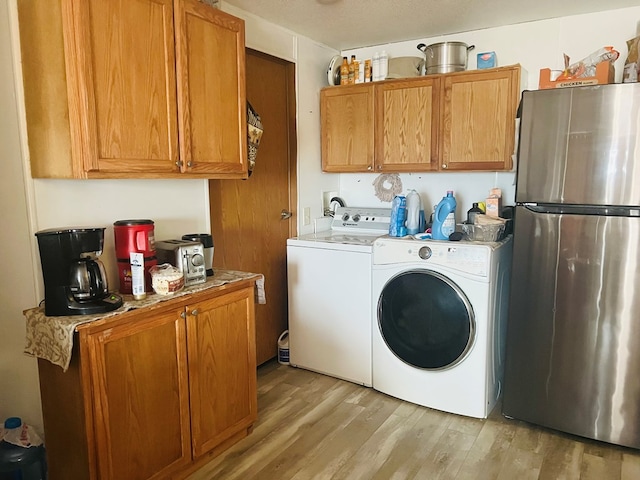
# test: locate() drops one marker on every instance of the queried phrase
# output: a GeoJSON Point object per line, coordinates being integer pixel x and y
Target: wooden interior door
{"type": "Point", "coordinates": [248, 230]}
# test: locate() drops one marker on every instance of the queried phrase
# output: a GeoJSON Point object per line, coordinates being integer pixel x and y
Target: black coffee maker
{"type": "Point", "coordinates": [75, 282]}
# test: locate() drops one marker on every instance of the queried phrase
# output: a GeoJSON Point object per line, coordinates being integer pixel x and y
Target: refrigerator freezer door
{"type": "Point", "coordinates": [573, 338]}
{"type": "Point", "coordinates": [580, 145]}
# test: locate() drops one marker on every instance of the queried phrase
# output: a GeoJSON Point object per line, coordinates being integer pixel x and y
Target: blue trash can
{"type": "Point", "coordinates": [20, 463]}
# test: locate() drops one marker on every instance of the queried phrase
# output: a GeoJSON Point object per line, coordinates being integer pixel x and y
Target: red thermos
{"type": "Point", "coordinates": [134, 236]}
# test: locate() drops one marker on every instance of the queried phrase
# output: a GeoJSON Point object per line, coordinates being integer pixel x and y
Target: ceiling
{"type": "Point", "coordinates": [347, 24]}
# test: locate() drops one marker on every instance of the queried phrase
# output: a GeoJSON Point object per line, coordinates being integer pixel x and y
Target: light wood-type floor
{"type": "Point", "coordinates": [311, 426]}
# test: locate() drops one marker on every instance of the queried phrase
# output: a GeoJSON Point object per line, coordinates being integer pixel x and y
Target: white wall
{"type": "Point", "coordinates": [533, 45]}
{"type": "Point", "coordinates": [19, 392]}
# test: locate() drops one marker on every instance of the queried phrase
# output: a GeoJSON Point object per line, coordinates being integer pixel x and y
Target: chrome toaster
{"type": "Point", "coordinates": [187, 256]}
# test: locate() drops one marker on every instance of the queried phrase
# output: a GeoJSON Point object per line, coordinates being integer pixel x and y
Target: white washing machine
{"type": "Point", "coordinates": [329, 286]}
{"type": "Point", "coordinates": [439, 322]}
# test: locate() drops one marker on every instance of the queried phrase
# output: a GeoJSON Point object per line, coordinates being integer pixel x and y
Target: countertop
{"type": "Point", "coordinates": [51, 338]}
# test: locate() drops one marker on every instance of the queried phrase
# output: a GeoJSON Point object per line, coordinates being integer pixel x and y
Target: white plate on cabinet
{"type": "Point", "coordinates": [333, 72]}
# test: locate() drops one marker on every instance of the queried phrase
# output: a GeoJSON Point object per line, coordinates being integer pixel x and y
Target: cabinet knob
{"type": "Point", "coordinates": [369, 167]}
{"type": "Point", "coordinates": [444, 165]}
{"type": "Point", "coordinates": [194, 312]}
{"type": "Point", "coordinates": [179, 164]}
{"type": "Point", "coordinates": [183, 315]}
{"type": "Point", "coordinates": [189, 164]}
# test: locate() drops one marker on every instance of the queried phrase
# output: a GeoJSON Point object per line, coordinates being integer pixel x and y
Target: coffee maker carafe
{"type": "Point", "coordinates": [75, 282]}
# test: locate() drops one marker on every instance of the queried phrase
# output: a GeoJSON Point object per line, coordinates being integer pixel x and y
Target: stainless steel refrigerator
{"type": "Point", "coordinates": [573, 335]}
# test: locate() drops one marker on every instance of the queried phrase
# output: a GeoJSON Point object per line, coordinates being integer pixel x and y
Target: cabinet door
{"type": "Point", "coordinates": [121, 86]}
{"type": "Point", "coordinates": [407, 125]}
{"type": "Point", "coordinates": [141, 404]}
{"type": "Point", "coordinates": [222, 368]}
{"type": "Point", "coordinates": [211, 91]}
{"type": "Point", "coordinates": [347, 128]}
{"type": "Point", "coordinates": [479, 115]}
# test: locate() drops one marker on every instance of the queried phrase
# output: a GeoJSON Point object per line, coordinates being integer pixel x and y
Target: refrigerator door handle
{"type": "Point", "coordinates": [602, 210]}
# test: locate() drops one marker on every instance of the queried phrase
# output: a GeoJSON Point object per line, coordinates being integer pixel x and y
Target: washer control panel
{"type": "Point", "coordinates": [470, 258]}
{"type": "Point", "coordinates": [362, 220]}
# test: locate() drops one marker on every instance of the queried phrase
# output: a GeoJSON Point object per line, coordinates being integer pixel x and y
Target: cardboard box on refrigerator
{"type": "Point", "coordinates": [493, 203]}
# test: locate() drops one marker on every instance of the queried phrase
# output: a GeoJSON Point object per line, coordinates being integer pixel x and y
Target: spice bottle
{"type": "Point", "coordinates": [344, 72]}
{"type": "Point", "coordinates": [352, 70]}
{"type": "Point", "coordinates": [367, 70]}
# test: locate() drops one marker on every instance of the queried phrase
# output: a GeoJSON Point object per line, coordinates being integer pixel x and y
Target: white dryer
{"type": "Point", "coordinates": [439, 322]}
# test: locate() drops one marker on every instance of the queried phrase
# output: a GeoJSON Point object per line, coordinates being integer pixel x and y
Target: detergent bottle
{"type": "Point", "coordinates": [413, 212]}
{"type": "Point", "coordinates": [444, 218]}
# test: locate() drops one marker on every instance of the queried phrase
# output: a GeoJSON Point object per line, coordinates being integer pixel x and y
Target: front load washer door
{"type": "Point", "coordinates": [426, 320]}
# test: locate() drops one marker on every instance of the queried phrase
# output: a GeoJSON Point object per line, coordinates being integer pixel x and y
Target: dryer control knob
{"type": "Point", "coordinates": [425, 253]}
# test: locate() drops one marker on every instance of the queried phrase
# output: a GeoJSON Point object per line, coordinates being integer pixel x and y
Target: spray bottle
{"type": "Point", "coordinates": [398, 216]}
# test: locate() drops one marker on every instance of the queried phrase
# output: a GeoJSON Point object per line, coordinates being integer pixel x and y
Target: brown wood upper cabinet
{"type": "Point", "coordinates": [347, 128]}
{"type": "Point", "coordinates": [144, 89]}
{"type": "Point", "coordinates": [456, 121]}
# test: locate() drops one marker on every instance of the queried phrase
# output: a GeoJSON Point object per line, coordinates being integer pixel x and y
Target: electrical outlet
{"type": "Point", "coordinates": [306, 219]}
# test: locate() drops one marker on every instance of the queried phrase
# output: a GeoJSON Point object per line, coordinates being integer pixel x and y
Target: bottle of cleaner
{"type": "Point", "coordinates": [375, 67]}
{"type": "Point", "coordinates": [398, 216]}
{"type": "Point", "coordinates": [384, 65]}
{"type": "Point", "coordinates": [413, 212]}
{"type": "Point", "coordinates": [472, 212]}
{"type": "Point", "coordinates": [444, 217]}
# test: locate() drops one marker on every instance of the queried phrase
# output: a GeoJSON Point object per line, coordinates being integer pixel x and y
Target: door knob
{"type": "Point", "coordinates": [285, 214]}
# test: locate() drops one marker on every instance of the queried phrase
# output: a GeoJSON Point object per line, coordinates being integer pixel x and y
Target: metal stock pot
{"type": "Point", "coordinates": [445, 57]}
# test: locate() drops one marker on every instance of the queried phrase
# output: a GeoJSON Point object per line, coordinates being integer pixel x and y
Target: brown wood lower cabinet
{"type": "Point", "coordinates": [156, 392]}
